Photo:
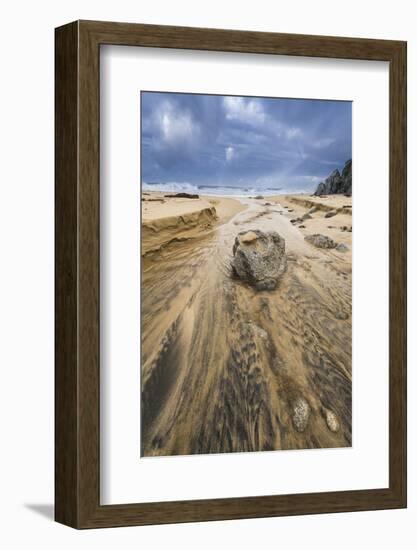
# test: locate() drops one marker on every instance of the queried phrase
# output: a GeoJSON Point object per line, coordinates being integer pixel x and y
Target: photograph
{"type": "Point", "coordinates": [246, 273]}
{"type": "Point", "coordinates": [208, 235]}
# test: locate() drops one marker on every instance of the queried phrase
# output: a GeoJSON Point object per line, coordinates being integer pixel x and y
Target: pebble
{"type": "Point", "coordinates": [332, 421]}
{"type": "Point", "coordinates": [301, 414]}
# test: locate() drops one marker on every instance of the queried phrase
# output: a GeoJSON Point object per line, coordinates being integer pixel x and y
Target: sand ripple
{"type": "Point", "coordinates": [224, 367]}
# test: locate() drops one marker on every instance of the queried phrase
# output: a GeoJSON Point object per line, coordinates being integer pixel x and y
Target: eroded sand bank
{"type": "Point", "coordinates": [169, 219]}
{"type": "Point", "coordinates": [227, 368]}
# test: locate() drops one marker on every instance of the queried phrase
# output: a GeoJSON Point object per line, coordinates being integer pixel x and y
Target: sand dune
{"type": "Point", "coordinates": [227, 368]}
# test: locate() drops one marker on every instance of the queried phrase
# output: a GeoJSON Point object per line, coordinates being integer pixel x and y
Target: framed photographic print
{"type": "Point", "coordinates": [230, 274]}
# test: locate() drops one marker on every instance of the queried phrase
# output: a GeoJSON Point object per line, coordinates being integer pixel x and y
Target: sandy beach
{"type": "Point", "coordinates": [169, 219]}
{"type": "Point", "coordinates": [226, 367]}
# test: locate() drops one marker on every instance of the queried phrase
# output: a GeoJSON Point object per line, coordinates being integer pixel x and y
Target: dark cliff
{"type": "Point", "coordinates": [337, 183]}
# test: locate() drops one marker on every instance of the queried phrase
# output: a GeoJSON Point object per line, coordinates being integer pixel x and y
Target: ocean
{"type": "Point", "coordinates": [223, 190]}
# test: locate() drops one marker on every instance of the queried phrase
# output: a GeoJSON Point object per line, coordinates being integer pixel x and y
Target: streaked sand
{"type": "Point", "coordinates": [223, 366]}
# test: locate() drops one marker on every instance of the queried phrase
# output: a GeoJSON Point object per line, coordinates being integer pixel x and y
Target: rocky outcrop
{"type": "Point", "coordinates": [182, 196]}
{"type": "Point", "coordinates": [259, 258]}
{"type": "Point", "coordinates": [337, 183]}
{"type": "Point", "coordinates": [347, 178]}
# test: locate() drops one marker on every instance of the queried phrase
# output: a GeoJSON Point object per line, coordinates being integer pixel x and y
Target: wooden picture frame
{"type": "Point", "coordinates": [77, 382]}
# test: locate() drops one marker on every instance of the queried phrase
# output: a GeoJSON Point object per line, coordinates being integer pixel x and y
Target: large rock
{"type": "Point", "coordinates": [320, 241]}
{"type": "Point", "coordinates": [259, 258]}
{"type": "Point", "coordinates": [337, 183]}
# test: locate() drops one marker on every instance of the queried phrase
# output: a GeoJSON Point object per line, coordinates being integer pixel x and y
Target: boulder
{"type": "Point", "coordinates": [320, 241]}
{"type": "Point", "coordinates": [259, 258]}
{"type": "Point", "coordinates": [341, 247]}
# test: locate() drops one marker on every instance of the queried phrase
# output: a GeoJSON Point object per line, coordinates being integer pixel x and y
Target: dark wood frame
{"type": "Point", "coordinates": [77, 373]}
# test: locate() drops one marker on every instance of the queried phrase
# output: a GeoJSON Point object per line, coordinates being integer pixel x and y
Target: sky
{"type": "Point", "coordinates": [262, 143]}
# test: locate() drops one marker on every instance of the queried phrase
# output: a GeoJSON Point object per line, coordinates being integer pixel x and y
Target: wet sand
{"type": "Point", "coordinates": [226, 368]}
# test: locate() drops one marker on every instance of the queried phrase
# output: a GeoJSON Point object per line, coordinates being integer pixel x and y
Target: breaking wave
{"type": "Point", "coordinates": [224, 190]}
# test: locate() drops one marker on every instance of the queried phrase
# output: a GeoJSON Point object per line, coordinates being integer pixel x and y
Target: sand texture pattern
{"type": "Point", "coordinates": [227, 367]}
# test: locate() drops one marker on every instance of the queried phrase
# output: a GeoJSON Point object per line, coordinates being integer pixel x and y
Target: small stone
{"type": "Point", "coordinates": [301, 414]}
{"type": "Point", "coordinates": [332, 421]}
{"type": "Point", "coordinates": [341, 315]}
{"type": "Point", "coordinates": [342, 247]}
{"type": "Point", "coordinates": [306, 217]}
{"type": "Point", "coordinates": [330, 214]}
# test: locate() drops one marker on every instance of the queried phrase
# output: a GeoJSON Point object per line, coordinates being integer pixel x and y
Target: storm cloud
{"type": "Point", "coordinates": [243, 141]}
